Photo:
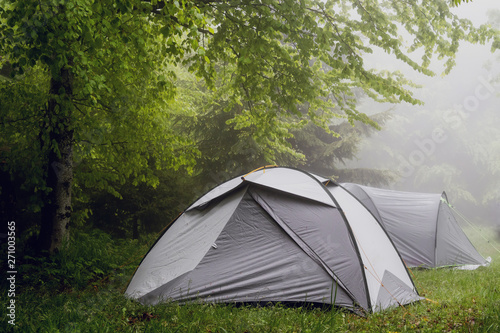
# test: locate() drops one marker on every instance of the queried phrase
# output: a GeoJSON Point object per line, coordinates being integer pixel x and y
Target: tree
{"type": "Point", "coordinates": [97, 102]}
{"type": "Point", "coordinates": [227, 151]}
{"type": "Point", "coordinates": [102, 62]}
{"type": "Point", "coordinates": [328, 155]}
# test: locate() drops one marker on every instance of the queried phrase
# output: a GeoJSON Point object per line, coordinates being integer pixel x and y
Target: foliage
{"type": "Point", "coordinates": [227, 150]}
{"type": "Point", "coordinates": [458, 2]}
{"type": "Point", "coordinates": [86, 104]}
{"type": "Point", "coordinates": [18, 145]}
{"type": "Point", "coordinates": [142, 210]}
{"type": "Point", "coordinates": [94, 256]}
{"type": "Point", "coordinates": [311, 53]}
{"type": "Point", "coordinates": [327, 155]}
{"type": "Point", "coordinates": [119, 94]}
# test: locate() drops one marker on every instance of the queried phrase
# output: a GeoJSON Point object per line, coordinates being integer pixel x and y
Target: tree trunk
{"type": "Point", "coordinates": [56, 213]}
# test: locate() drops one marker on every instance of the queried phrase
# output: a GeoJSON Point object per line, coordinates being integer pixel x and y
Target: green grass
{"type": "Point", "coordinates": [459, 301]}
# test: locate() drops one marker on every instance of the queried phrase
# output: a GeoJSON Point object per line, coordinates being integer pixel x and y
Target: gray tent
{"type": "Point", "coordinates": [421, 225]}
{"type": "Point", "coordinates": [275, 235]}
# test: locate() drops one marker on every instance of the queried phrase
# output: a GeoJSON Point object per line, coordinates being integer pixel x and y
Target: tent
{"type": "Point", "coordinates": [275, 235]}
{"type": "Point", "coordinates": [421, 225]}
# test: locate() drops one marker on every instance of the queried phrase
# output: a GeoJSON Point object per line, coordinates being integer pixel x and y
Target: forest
{"type": "Point", "coordinates": [115, 115]}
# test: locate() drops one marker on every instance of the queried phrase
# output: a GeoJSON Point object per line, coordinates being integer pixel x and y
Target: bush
{"type": "Point", "coordinates": [91, 257]}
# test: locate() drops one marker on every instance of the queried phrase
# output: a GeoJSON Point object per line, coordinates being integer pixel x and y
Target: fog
{"type": "Point", "coordinates": [452, 142]}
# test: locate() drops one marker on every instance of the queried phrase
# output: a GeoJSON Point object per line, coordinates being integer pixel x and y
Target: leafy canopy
{"type": "Point", "coordinates": [119, 92]}
{"type": "Point", "coordinates": [275, 65]}
{"type": "Point", "coordinates": [279, 58]}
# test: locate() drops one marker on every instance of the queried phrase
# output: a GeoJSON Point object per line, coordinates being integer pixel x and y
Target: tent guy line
{"type": "Point", "coordinates": [473, 226]}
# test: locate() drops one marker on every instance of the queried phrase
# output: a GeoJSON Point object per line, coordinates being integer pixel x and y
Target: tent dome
{"type": "Point", "coordinates": [421, 225]}
{"type": "Point", "coordinates": [276, 235]}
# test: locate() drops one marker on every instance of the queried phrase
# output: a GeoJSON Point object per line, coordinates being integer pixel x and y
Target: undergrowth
{"type": "Point", "coordinates": [93, 256]}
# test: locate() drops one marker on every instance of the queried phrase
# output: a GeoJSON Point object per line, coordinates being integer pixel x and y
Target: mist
{"type": "Point", "coordinates": [450, 143]}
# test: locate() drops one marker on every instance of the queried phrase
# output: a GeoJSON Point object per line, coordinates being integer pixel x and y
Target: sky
{"type": "Point", "coordinates": [476, 10]}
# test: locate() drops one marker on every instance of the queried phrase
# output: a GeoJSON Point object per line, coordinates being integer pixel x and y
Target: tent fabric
{"type": "Point", "coordinates": [374, 244]}
{"type": "Point", "coordinates": [285, 180]}
{"type": "Point", "coordinates": [421, 225]}
{"type": "Point", "coordinates": [275, 235]}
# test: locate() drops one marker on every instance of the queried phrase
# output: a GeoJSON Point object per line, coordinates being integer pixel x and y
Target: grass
{"type": "Point", "coordinates": [459, 301]}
